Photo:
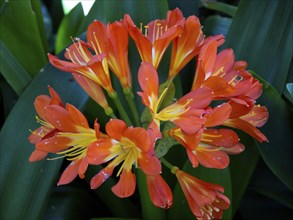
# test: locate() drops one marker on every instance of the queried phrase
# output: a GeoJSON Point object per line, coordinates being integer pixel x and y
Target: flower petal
{"type": "Point", "coordinates": [69, 173]}
{"type": "Point", "coordinates": [37, 155]}
{"type": "Point", "coordinates": [126, 185]}
{"type": "Point", "coordinates": [246, 127]}
{"type": "Point", "coordinates": [258, 116]}
{"type": "Point", "coordinates": [40, 103]}
{"type": "Point", "coordinates": [53, 144]}
{"type": "Point", "coordinates": [220, 137]}
{"type": "Point", "coordinates": [149, 83]}
{"type": "Point", "coordinates": [219, 114]}
{"type": "Point", "coordinates": [77, 117]}
{"type": "Point", "coordinates": [159, 191]}
{"type": "Point", "coordinates": [96, 36]}
{"type": "Point", "coordinates": [115, 128]}
{"type": "Point", "coordinates": [60, 118]}
{"type": "Point", "coordinates": [150, 164]}
{"type": "Point", "coordinates": [98, 151]}
{"type": "Point", "coordinates": [212, 157]}
{"type": "Point", "coordinates": [101, 177]}
{"type": "Point", "coordinates": [140, 137]}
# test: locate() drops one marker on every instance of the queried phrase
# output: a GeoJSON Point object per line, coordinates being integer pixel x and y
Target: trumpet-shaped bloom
{"type": "Point", "coordinates": [228, 79]}
{"type": "Point", "coordinates": [117, 50]}
{"type": "Point", "coordinates": [248, 123]}
{"type": "Point", "coordinates": [129, 146]}
{"type": "Point", "coordinates": [159, 191]}
{"type": "Point", "coordinates": [210, 147]}
{"type": "Point", "coordinates": [189, 108]}
{"type": "Point", "coordinates": [85, 64]}
{"type": "Point", "coordinates": [186, 45]}
{"type": "Point", "coordinates": [46, 130]}
{"type": "Point", "coordinates": [65, 132]}
{"type": "Point", "coordinates": [205, 200]}
{"type": "Point", "coordinates": [154, 40]}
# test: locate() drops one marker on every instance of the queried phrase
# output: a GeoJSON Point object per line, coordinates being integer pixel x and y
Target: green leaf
{"type": "Point", "coordinates": [23, 182]}
{"type": "Point", "coordinates": [278, 152]}
{"type": "Point", "coordinates": [73, 202]}
{"type": "Point", "coordinates": [288, 92]}
{"type": "Point", "coordinates": [220, 7]}
{"type": "Point", "coordinates": [7, 98]}
{"type": "Point", "coordinates": [169, 95]}
{"type": "Point", "coordinates": [69, 27]}
{"type": "Point", "coordinates": [115, 219]}
{"type": "Point", "coordinates": [13, 71]}
{"type": "Point", "coordinates": [220, 177]}
{"type": "Point", "coordinates": [216, 24]}
{"type": "Point", "coordinates": [242, 167]}
{"type": "Point", "coordinates": [140, 11]}
{"type": "Point", "coordinates": [163, 145]}
{"type": "Point", "coordinates": [117, 206]}
{"type": "Point", "coordinates": [266, 183]}
{"type": "Point", "coordinates": [146, 118]}
{"type": "Point", "coordinates": [260, 35]}
{"type": "Point", "coordinates": [23, 34]}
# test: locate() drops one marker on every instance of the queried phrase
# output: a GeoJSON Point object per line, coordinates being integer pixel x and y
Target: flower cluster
{"type": "Point", "coordinates": [222, 96]}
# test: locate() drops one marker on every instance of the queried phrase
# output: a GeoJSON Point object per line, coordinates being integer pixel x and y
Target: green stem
{"type": "Point", "coordinates": [169, 165]}
{"type": "Point", "coordinates": [166, 163]}
{"type": "Point", "coordinates": [109, 112]}
{"type": "Point", "coordinates": [120, 108]}
{"type": "Point", "coordinates": [133, 109]}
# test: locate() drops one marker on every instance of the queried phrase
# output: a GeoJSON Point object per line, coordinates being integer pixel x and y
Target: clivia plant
{"type": "Point", "coordinates": [147, 113]}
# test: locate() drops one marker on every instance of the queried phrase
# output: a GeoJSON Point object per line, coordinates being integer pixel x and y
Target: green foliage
{"type": "Point", "coordinates": [24, 35]}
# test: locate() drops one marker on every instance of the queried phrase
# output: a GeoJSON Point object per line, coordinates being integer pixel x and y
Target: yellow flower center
{"type": "Point", "coordinates": [126, 151]}
{"type": "Point", "coordinates": [79, 143]}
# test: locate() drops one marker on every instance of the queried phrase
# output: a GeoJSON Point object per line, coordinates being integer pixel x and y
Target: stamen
{"type": "Point", "coordinates": [146, 30]}
{"type": "Point", "coordinates": [99, 47]}
{"type": "Point", "coordinates": [221, 70]}
{"type": "Point", "coordinates": [157, 28]}
{"type": "Point", "coordinates": [44, 123]}
{"type": "Point", "coordinates": [70, 55]}
{"type": "Point", "coordinates": [56, 158]}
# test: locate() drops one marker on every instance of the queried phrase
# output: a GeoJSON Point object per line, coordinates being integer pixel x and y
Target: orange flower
{"type": "Point", "coordinates": [117, 50]}
{"type": "Point", "coordinates": [248, 123]}
{"type": "Point", "coordinates": [157, 36]}
{"type": "Point", "coordinates": [210, 147]}
{"type": "Point", "coordinates": [130, 145]}
{"type": "Point", "coordinates": [205, 200]}
{"type": "Point", "coordinates": [186, 45]}
{"type": "Point", "coordinates": [87, 70]}
{"type": "Point", "coordinates": [65, 132]}
{"type": "Point", "coordinates": [213, 148]}
{"type": "Point", "coordinates": [159, 191]}
{"type": "Point", "coordinates": [188, 108]}
{"type": "Point", "coordinates": [46, 130]}
{"type": "Point", "coordinates": [85, 64]}
{"type": "Point", "coordinates": [228, 79]}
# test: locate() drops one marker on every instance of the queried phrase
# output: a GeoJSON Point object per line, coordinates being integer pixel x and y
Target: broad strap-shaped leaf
{"type": "Point", "coordinates": [13, 72]}
{"type": "Point", "coordinates": [25, 186]}
{"type": "Point", "coordinates": [69, 27]}
{"type": "Point", "coordinates": [23, 33]}
{"type": "Point", "coordinates": [278, 152]}
{"type": "Point", "coordinates": [261, 34]}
